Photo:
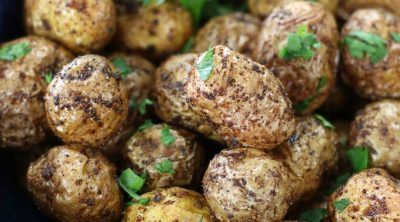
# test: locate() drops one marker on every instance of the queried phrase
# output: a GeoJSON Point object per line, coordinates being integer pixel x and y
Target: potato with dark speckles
{"type": "Point", "coordinates": [349, 6]}
{"type": "Point", "coordinates": [241, 100]}
{"type": "Point", "coordinates": [86, 102]}
{"type": "Point", "coordinates": [72, 183]}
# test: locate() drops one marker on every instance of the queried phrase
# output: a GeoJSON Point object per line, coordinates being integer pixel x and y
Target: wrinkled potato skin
{"type": "Point", "coordinates": [349, 6]}
{"type": "Point", "coordinates": [81, 25]}
{"type": "Point", "coordinates": [156, 30]}
{"type": "Point", "coordinates": [377, 127]}
{"type": "Point", "coordinates": [242, 101]}
{"type": "Point", "coordinates": [299, 76]}
{"type": "Point", "coordinates": [71, 183]}
{"type": "Point", "coordinates": [374, 196]}
{"type": "Point", "coordinates": [86, 102]}
{"type": "Point", "coordinates": [382, 79]}
{"type": "Point", "coordinates": [22, 88]}
{"type": "Point", "coordinates": [238, 31]}
{"type": "Point", "coordinates": [170, 205]}
{"type": "Point", "coordinates": [145, 149]}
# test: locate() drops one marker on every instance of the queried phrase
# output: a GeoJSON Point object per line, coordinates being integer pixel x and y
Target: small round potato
{"type": "Point", "coordinates": [238, 31]}
{"type": "Point", "coordinates": [71, 183]}
{"type": "Point", "coordinates": [307, 81]}
{"type": "Point", "coordinates": [170, 205]}
{"type": "Point", "coordinates": [241, 100]}
{"type": "Point", "coordinates": [373, 195]}
{"type": "Point", "coordinates": [382, 79]}
{"type": "Point", "coordinates": [377, 128]}
{"type": "Point", "coordinates": [349, 6]}
{"type": "Point", "coordinates": [22, 88]}
{"type": "Point", "coordinates": [86, 102]}
{"type": "Point", "coordinates": [148, 148]}
{"type": "Point", "coordinates": [81, 25]}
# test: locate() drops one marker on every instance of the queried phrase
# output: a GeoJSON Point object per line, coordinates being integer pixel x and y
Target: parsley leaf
{"type": "Point", "coordinates": [358, 157]}
{"type": "Point", "coordinates": [165, 166]}
{"type": "Point", "coordinates": [205, 64]}
{"type": "Point", "coordinates": [121, 65]}
{"type": "Point", "coordinates": [302, 106]}
{"type": "Point", "coordinates": [314, 215]}
{"type": "Point", "coordinates": [151, 2]}
{"type": "Point", "coordinates": [142, 106]}
{"type": "Point", "coordinates": [324, 121]}
{"type": "Point", "coordinates": [195, 7]}
{"type": "Point", "coordinates": [166, 136]}
{"type": "Point", "coordinates": [48, 76]}
{"type": "Point", "coordinates": [340, 180]}
{"type": "Point", "coordinates": [322, 83]}
{"type": "Point", "coordinates": [131, 183]}
{"type": "Point", "coordinates": [341, 205]}
{"type": "Point", "coordinates": [147, 124]}
{"type": "Point", "coordinates": [362, 43]}
{"type": "Point", "coordinates": [14, 51]}
{"type": "Point", "coordinates": [395, 36]}
{"type": "Point", "coordinates": [299, 45]}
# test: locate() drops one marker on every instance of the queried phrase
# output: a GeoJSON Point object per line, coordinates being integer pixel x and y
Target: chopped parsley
{"type": "Point", "coordinates": [131, 183]}
{"type": "Point", "coordinates": [341, 205]}
{"type": "Point", "coordinates": [166, 136]}
{"type": "Point", "coordinates": [142, 106]}
{"type": "Point", "coordinates": [122, 66]}
{"type": "Point", "coordinates": [166, 166]}
{"type": "Point", "coordinates": [205, 64]}
{"type": "Point", "coordinates": [314, 215]}
{"type": "Point", "coordinates": [395, 36]}
{"type": "Point", "coordinates": [358, 157]}
{"type": "Point", "coordinates": [302, 106]}
{"type": "Point", "coordinates": [48, 77]}
{"type": "Point", "coordinates": [147, 124]}
{"type": "Point", "coordinates": [14, 51]}
{"type": "Point", "coordinates": [322, 83]}
{"type": "Point", "coordinates": [300, 44]}
{"type": "Point", "coordinates": [324, 121]}
{"type": "Point", "coordinates": [340, 180]}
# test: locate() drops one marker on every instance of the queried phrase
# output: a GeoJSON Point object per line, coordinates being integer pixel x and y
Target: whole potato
{"type": "Point", "coordinates": [241, 100]}
{"type": "Point", "coordinates": [86, 102]}
{"type": "Point", "coordinates": [170, 205]}
{"type": "Point", "coordinates": [238, 31]}
{"type": "Point", "coordinates": [148, 148]}
{"type": "Point", "coordinates": [349, 6]}
{"type": "Point", "coordinates": [71, 183]}
{"type": "Point", "coordinates": [81, 25]}
{"type": "Point", "coordinates": [373, 80]}
{"type": "Point", "coordinates": [308, 81]}
{"type": "Point", "coordinates": [22, 88]}
{"type": "Point", "coordinates": [373, 195]}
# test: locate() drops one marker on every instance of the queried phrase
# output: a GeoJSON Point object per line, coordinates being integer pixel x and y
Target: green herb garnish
{"type": "Point", "coordinates": [322, 83]}
{"type": "Point", "coordinates": [166, 136]}
{"type": "Point", "coordinates": [395, 36]}
{"type": "Point", "coordinates": [142, 106]}
{"type": "Point", "coordinates": [195, 7]}
{"type": "Point", "coordinates": [324, 121]}
{"type": "Point", "coordinates": [48, 77]}
{"type": "Point", "coordinates": [302, 106]}
{"type": "Point", "coordinates": [165, 166]}
{"type": "Point", "coordinates": [14, 51]}
{"type": "Point", "coordinates": [147, 124]}
{"type": "Point", "coordinates": [153, 2]}
{"type": "Point", "coordinates": [341, 205]}
{"type": "Point", "coordinates": [205, 64]}
{"type": "Point", "coordinates": [314, 215]}
{"type": "Point", "coordinates": [188, 45]}
{"type": "Point", "coordinates": [340, 180]}
{"type": "Point", "coordinates": [300, 44]}
{"type": "Point", "coordinates": [358, 157]}
{"type": "Point", "coordinates": [121, 65]}
{"type": "Point", "coordinates": [131, 183]}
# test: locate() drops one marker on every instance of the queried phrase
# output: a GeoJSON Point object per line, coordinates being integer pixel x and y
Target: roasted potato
{"type": "Point", "coordinates": [241, 100]}
{"type": "Point", "coordinates": [149, 148]}
{"type": "Point", "coordinates": [246, 184]}
{"type": "Point", "coordinates": [377, 128]}
{"type": "Point", "coordinates": [81, 25]}
{"type": "Point", "coordinates": [308, 81]}
{"type": "Point", "coordinates": [238, 31]}
{"type": "Point", "coordinates": [71, 183]}
{"type": "Point", "coordinates": [347, 7]}
{"type": "Point", "coordinates": [372, 195]}
{"type": "Point", "coordinates": [170, 205]}
{"type": "Point", "coordinates": [379, 79]}
{"type": "Point", "coordinates": [22, 88]}
{"type": "Point", "coordinates": [86, 102]}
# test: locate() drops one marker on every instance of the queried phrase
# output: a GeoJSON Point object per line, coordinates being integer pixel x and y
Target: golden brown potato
{"type": "Point", "coordinates": [238, 31]}
{"type": "Point", "coordinates": [86, 102]}
{"type": "Point", "coordinates": [242, 101]}
{"type": "Point", "coordinates": [71, 183]}
{"type": "Point", "coordinates": [377, 127]}
{"type": "Point", "coordinates": [148, 148]}
{"type": "Point", "coordinates": [373, 195]}
{"type": "Point", "coordinates": [379, 80]}
{"type": "Point", "coordinates": [155, 30]}
{"type": "Point", "coordinates": [22, 88]}
{"type": "Point", "coordinates": [81, 25]}
{"type": "Point", "coordinates": [307, 81]}
{"type": "Point", "coordinates": [347, 7]}
{"type": "Point", "coordinates": [170, 205]}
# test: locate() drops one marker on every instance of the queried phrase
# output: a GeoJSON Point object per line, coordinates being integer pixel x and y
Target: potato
{"type": "Point", "coordinates": [373, 195]}
{"type": "Point", "coordinates": [81, 25]}
{"type": "Point", "coordinates": [170, 205]}
{"type": "Point", "coordinates": [148, 148]}
{"type": "Point", "coordinates": [246, 184]}
{"type": "Point", "coordinates": [379, 80]}
{"type": "Point", "coordinates": [241, 100]}
{"type": "Point", "coordinates": [71, 183]}
{"type": "Point", "coordinates": [156, 30]}
{"type": "Point", "coordinates": [376, 128]}
{"type": "Point", "coordinates": [238, 31]}
{"type": "Point", "coordinates": [307, 81]}
{"type": "Point", "coordinates": [86, 103]}
{"type": "Point", "coordinates": [349, 6]}
{"type": "Point", "coordinates": [22, 88]}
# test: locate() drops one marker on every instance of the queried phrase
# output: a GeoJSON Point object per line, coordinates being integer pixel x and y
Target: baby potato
{"type": "Point", "coordinates": [372, 195]}
{"type": "Point", "coordinates": [379, 79]}
{"type": "Point", "coordinates": [22, 88]}
{"type": "Point", "coordinates": [241, 100]}
{"type": "Point", "coordinates": [377, 128]}
{"type": "Point", "coordinates": [86, 102]}
{"type": "Point", "coordinates": [238, 31]}
{"type": "Point", "coordinates": [155, 30]}
{"type": "Point", "coordinates": [308, 80]}
{"type": "Point", "coordinates": [72, 183]}
{"type": "Point", "coordinates": [152, 149]}
{"type": "Point", "coordinates": [170, 205]}
{"type": "Point", "coordinates": [349, 6]}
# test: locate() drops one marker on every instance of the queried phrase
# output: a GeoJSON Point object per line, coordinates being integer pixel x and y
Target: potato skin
{"type": "Point", "coordinates": [300, 77]}
{"type": "Point", "coordinates": [374, 196]}
{"type": "Point", "coordinates": [72, 183]}
{"type": "Point", "coordinates": [170, 205]}
{"type": "Point", "coordinates": [145, 149]}
{"type": "Point", "coordinates": [349, 6]}
{"type": "Point", "coordinates": [242, 101]}
{"type": "Point", "coordinates": [380, 80]}
{"type": "Point", "coordinates": [22, 88]}
{"type": "Point", "coordinates": [86, 102]}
